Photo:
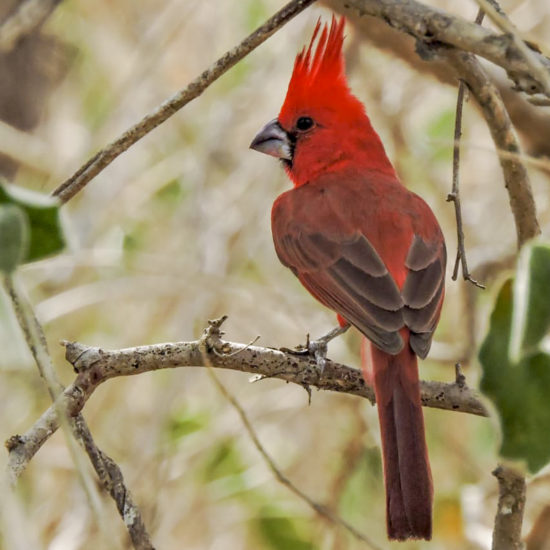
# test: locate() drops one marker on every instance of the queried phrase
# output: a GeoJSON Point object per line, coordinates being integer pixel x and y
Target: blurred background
{"type": "Point", "coordinates": [177, 231]}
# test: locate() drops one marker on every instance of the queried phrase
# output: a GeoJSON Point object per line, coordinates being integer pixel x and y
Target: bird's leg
{"type": "Point", "coordinates": [318, 348]}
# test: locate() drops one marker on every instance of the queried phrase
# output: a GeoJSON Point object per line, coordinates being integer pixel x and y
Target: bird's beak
{"type": "Point", "coordinates": [273, 140]}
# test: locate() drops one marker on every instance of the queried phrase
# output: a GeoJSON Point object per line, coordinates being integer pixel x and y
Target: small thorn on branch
{"type": "Point", "coordinates": [460, 379]}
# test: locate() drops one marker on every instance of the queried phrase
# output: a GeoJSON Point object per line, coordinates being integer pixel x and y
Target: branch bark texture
{"type": "Point", "coordinates": [506, 141]}
{"type": "Point", "coordinates": [434, 26]}
{"type": "Point", "coordinates": [510, 508]}
{"type": "Point", "coordinates": [94, 366]}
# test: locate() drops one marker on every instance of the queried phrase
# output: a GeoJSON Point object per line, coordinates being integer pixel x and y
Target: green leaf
{"type": "Point", "coordinates": [186, 422]}
{"type": "Point", "coordinates": [14, 237]}
{"type": "Point", "coordinates": [281, 532]}
{"type": "Point", "coordinates": [520, 391]}
{"type": "Point", "coordinates": [42, 212]}
{"type": "Point", "coordinates": [531, 317]}
{"type": "Point", "coordinates": [224, 460]}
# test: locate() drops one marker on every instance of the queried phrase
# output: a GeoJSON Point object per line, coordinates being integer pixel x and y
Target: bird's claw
{"type": "Point", "coordinates": [317, 348]}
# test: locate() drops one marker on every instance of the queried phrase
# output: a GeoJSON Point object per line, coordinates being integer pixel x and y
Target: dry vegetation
{"type": "Point", "coordinates": [176, 231]}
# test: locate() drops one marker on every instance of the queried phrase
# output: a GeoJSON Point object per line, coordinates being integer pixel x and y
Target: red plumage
{"type": "Point", "coordinates": [367, 248]}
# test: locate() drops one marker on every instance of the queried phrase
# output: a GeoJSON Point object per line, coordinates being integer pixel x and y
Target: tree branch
{"type": "Point", "coordinates": [511, 504]}
{"type": "Point", "coordinates": [454, 195]}
{"type": "Point", "coordinates": [94, 366]}
{"type": "Point", "coordinates": [107, 470]}
{"type": "Point", "coordinates": [434, 26]}
{"type": "Point", "coordinates": [209, 338]}
{"type": "Point", "coordinates": [103, 158]}
{"type": "Point", "coordinates": [112, 480]}
{"type": "Point", "coordinates": [516, 178]}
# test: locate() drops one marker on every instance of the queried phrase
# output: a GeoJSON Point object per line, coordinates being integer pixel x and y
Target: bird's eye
{"type": "Point", "coordinates": [304, 123]}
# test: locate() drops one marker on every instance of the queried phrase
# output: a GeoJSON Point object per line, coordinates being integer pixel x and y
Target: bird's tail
{"type": "Point", "coordinates": [407, 473]}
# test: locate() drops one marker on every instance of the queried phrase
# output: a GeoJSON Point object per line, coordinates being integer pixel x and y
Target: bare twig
{"type": "Point", "coordinates": [511, 504]}
{"type": "Point", "coordinates": [103, 158]}
{"type": "Point", "coordinates": [112, 480]}
{"type": "Point", "coordinates": [209, 343]}
{"type": "Point", "coordinates": [28, 15]}
{"type": "Point", "coordinates": [107, 470]}
{"type": "Point", "coordinates": [516, 178]}
{"type": "Point", "coordinates": [95, 365]}
{"type": "Point", "coordinates": [434, 26]}
{"type": "Point", "coordinates": [454, 195]}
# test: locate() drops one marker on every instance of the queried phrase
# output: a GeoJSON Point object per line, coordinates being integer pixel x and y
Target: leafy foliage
{"type": "Point", "coordinates": [41, 212]}
{"type": "Point", "coordinates": [518, 380]}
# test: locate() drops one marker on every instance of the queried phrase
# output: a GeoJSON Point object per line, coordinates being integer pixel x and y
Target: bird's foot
{"type": "Point", "coordinates": [318, 348]}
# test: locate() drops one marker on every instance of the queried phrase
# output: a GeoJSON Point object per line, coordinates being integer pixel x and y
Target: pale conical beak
{"type": "Point", "coordinates": [273, 140]}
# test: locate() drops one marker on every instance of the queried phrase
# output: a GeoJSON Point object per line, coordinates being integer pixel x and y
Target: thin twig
{"type": "Point", "coordinates": [36, 342]}
{"type": "Point", "coordinates": [510, 508]}
{"type": "Point", "coordinates": [207, 343]}
{"type": "Point", "coordinates": [454, 195]}
{"type": "Point", "coordinates": [504, 136]}
{"type": "Point", "coordinates": [107, 470]}
{"type": "Point", "coordinates": [27, 16]}
{"type": "Point", "coordinates": [112, 480]}
{"type": "Point", "coordinates": [103, 158]}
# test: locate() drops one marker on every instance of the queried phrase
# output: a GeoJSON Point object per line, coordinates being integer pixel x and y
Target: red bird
{"type": "Point", "coordinates": [365, 247]}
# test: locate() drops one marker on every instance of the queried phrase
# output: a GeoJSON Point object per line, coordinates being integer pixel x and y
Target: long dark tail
{"type": "Point", "coordinates": [407, 475]}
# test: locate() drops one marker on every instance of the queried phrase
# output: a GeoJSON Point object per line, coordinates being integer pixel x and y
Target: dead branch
{"type": "Point", "coordinates": [94, 366]}
{"type": "Point", "coordinates": [110, 475]}
{"type": "Point", "coordinates": [435, 26]}
{"type": "Point", "coordinates": [504, 136]}
{"type": "Point", "coordinates": [171, 106]}
{"type": "Point", "coordinates": [208, 340]}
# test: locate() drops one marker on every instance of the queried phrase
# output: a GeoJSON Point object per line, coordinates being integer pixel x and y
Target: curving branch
{"type": "Point", "coordinates": [434, 26]}
{"type": "Point", "coordinates": [94, 366]}
{"type": "Point", "coordinates": [504, 136]}
{"type": "Point", "coordinates": [68, 189]}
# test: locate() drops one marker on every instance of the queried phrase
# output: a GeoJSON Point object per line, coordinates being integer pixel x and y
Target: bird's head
{"type": "Point", "coordinates": [321, 125]}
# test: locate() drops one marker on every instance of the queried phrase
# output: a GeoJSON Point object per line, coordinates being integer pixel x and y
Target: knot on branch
{"type": "Point", "coordinates": [81, 357]}
{"type": "Point", "coordinates": [211, 338]}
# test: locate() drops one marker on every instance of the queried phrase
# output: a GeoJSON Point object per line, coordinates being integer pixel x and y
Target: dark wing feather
{"type": "Point", "coordinates": [423, 292]}
{"type": "Point", "coordinates": [349, 277]}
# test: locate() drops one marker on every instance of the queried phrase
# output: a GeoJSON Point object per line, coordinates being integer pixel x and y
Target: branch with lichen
{"type": "Point", "coordinates": [94, 366]}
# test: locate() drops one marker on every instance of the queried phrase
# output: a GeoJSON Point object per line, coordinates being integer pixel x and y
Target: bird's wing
{"type": "Point", "coordinates": [423, 291]}
{"type": "Point", "coordinates": [349, 277]}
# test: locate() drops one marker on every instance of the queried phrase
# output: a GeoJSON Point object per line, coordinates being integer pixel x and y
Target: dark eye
{"type": "Point", "coordinates": [304, 123]}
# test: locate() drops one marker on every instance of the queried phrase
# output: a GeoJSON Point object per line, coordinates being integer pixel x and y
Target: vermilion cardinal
{"type": "Point", "coordinates": [365, 247]}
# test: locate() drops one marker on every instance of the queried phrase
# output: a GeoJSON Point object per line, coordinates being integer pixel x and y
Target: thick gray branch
{"type": "Point", "coordinates": [95, 365]}
{"type": "Point", "coordinates": [434, 26]}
